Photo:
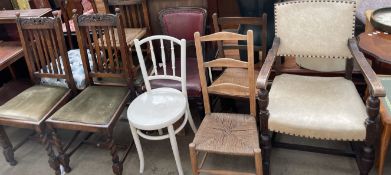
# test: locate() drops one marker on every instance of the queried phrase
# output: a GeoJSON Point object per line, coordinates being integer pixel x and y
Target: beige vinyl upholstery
{"type": "Point", "coordinates": [317, 107]}
{"type": "Point", "coordinates": [319, 41]}
{"type": "Point", "coordinates": [94, 105]}
{"type": "Point", "coordinates": [33, 103]}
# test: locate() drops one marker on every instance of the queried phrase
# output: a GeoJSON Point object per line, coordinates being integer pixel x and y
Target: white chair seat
{"type": "Point", "coordinates": [317, 107]}
{"type": "Point", "coordinates": [157, 109]}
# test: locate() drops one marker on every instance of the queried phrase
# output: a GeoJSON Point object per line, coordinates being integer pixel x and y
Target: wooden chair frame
{"type": "Point", "coordinates": [225, 62]}
{"type": "Point", "coordinates": [100, 25]}
{"type": "Point", "coordinates": [43, 44]}
{"type": "Point", "coordinates": [220, 22]}
{"type": "Point", "coordinates": [366, 158]}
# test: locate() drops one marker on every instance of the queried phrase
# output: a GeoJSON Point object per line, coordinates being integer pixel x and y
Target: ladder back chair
{"type": "Point", "coordinates": [226, 133]}
{"type": "Point", "coordinates": [237, 75]}
{"type": "Point", "coordinates": [183, 22]}
{"type": "Point", "coordinates": [109, 87]}
{"type": "Point", "coordinates": [325, 108]}
{"type": "Point", "coordinates": [46, 57]}
{"type": "Point", "coordinates": [135, 18]}
{"type": "Point", "coordinates": [161, 107]}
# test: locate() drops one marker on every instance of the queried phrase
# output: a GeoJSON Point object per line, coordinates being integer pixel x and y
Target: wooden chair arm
{"type": "Point", "coordinates": [264, 74]}
{"type": "Point", "coordinates": [376, 89]}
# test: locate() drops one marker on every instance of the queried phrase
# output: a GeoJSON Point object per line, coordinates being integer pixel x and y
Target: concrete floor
{"type": "Point", "coordinates": [88, 160]}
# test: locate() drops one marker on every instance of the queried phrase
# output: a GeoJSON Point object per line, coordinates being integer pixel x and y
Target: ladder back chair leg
{"type": "Point", "coordinates": [62, 157]}
{"type": "Point", "coordinates": [53, 161]}
{"type": "Point", "coordinates": [193, 158]}
{"type": "Point", "coordinates": [368, 155]}
{"type": "Point", "coordinates": [117, 165]}
{"type": "Point", "coordinates": [263, 98]}
{"type": "Point", "coordinates": [140, 153]}
{"type": "Point", "coordinates": [258, 161]}
{"type": "Point", "coordinates": [175, 150]}
{"type": "Point", "coordinates": [7, 147]}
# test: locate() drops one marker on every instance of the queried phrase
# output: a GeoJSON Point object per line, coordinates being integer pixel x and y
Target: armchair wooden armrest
{"type": "Point", "coordinates": [264, 74]}
{"type": "Point", "coordinates": [376, 89]}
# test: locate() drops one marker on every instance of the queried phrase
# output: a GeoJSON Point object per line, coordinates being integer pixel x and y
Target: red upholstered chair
{"type": "Point", "coordinates": [182, 23]}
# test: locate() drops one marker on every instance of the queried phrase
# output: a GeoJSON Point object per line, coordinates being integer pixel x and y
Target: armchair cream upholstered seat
{"type": "Point", "coordinates": [316, 107]}
{"type": "Point", "coordinates": [320, 34]}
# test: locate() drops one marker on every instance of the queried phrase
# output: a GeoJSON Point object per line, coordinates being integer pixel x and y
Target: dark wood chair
{"type": "Point", "coordinates": [109, 87]}
{"type": "Point", "coordinates": [183, 22]}
{"type": "Point", "coordinates": [135, 20]}
{"type": "Point", "coordinates": [319, 107]}
{"type": "Point", "coordinates": [46, 57]}
{"type": "Point", "coordinates": [226, 133]}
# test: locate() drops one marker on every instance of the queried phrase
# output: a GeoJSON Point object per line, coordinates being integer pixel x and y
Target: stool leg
{"type": "Point", "coordinates": [136, 140]}
{"type": "Point", "coordinates": [174, 146]}
{"type": "Point", "coordinates": [384, 141]}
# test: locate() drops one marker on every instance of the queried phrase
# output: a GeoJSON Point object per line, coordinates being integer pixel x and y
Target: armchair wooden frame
{"type": "Point", "coordinates": [364, 157]}
{"type": "Point", "coordinates": [107, 62]}
{"type": "Point", "coordinates": [220, 22]}
{"type": "Point", "coordinates": [44, 47]}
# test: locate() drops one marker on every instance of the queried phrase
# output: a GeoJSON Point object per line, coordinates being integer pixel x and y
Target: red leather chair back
{"type": "Point", "coordinates": [183, 22]}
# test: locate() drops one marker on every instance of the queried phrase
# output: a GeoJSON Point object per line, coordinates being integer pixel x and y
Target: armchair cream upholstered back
{"type": "Point", "coordinates": [316, 32]}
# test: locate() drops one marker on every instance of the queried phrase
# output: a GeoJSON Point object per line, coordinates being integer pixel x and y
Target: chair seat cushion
{"type": "Point", "coordinates": [157, 109]}
{"type": "Point", "coordinates": [193, 82]}
{"type": "Point", "coordinates": [237, 76]}
{"type": "Point", "coordinates": [94, 105]}
{"type": "Point", "coordinates": [316, 107]}
{"type": "Point", "coordinates": [33, 103]}
{"type": "Point", "coordinates": [227, 133]}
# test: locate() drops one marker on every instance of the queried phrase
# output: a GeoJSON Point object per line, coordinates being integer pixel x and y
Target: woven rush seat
{"type": "Point", "coordinates": [225, 133]}
{"type": "Point", "coordinates": [236, 76]}
{"type": "Point", "coordinates": [296, 108]}
{"type": "Point", "coordinates": [33, 103]}
{"type": "Point", "coordinates": [130, 35]}
{"type": "Point", "coordinates": [94, 105]}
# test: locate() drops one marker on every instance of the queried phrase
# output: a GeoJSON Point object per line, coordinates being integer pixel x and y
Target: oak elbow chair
{"type": "Point", "coordinates": [183, 22]}
{"type": "Point", "coordinates": [226, 133]}
{"type": "Point", "coordinates": [161, 107]}
{"type": "Point", "coordinates": [98, 107]}
{"type": "Point", "coordinates": [327, 108]}
{"type": "Point", "coordinates": [45, 52]}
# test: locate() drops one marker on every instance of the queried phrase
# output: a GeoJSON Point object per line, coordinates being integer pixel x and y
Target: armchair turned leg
{"type": "Point", "coordinates": [7, 147]}
{"type": "Point", "coordinates": [371, 124]}
{"type": "Point", "coordinates": [53, 161]}
{"type": "Point", "coordinates": [263, 98]}
{"type": "Point", "coordinates": [62, 157]}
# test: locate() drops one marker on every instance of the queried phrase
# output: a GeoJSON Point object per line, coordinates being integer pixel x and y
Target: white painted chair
{"type": "Point", "coordinates": [160, 108]}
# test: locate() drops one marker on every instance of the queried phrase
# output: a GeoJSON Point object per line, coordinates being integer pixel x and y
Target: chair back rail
{"type": "Point", "coordinates": [44, 48]}
{"type": "Point", "coordinates": [100, 55]}
{"type": "Point", "coordinates": [227, 63]}
{"type": "Point", "coordinates": [220, 22]}
{"type": "Point", "coordinates": [168, 72]}
{"type": "Point", "coordinates": [135, 12]}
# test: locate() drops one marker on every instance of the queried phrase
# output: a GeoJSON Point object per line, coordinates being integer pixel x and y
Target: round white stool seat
{"type": "Point", "coordinates": [157, 109]}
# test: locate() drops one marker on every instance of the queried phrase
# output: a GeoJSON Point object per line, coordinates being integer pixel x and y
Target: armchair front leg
{"type": "Point", "coordinates": [372, 125]}
{"type": "Point", "coordinates": [266, 145]}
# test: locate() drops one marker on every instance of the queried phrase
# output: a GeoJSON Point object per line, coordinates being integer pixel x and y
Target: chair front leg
{"type": "Point", "coordinates": [53, 161]}
{"type": "Point", "coordinates": [174, 146]}
{"type": "Point", "coordinates": [263, 97]}
{"type": "Point", "coordinates": [62, 157]}
{"type": "Point", "coordinates": [117, 165]}
{"type": "Point", "coordinates": [7, 147]}
{"type": "Point", "coordinates": [371, 124]}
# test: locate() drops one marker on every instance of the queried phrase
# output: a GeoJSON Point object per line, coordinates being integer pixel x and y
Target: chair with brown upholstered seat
{"type": "Point", "coordinates": [46, 57]}
{"type": "Point", "coordinates": [321, 33]}
{"type": "Point", "coordinates": [226, 133]}
{"type": "Point", "coordinates": [98, 107]}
